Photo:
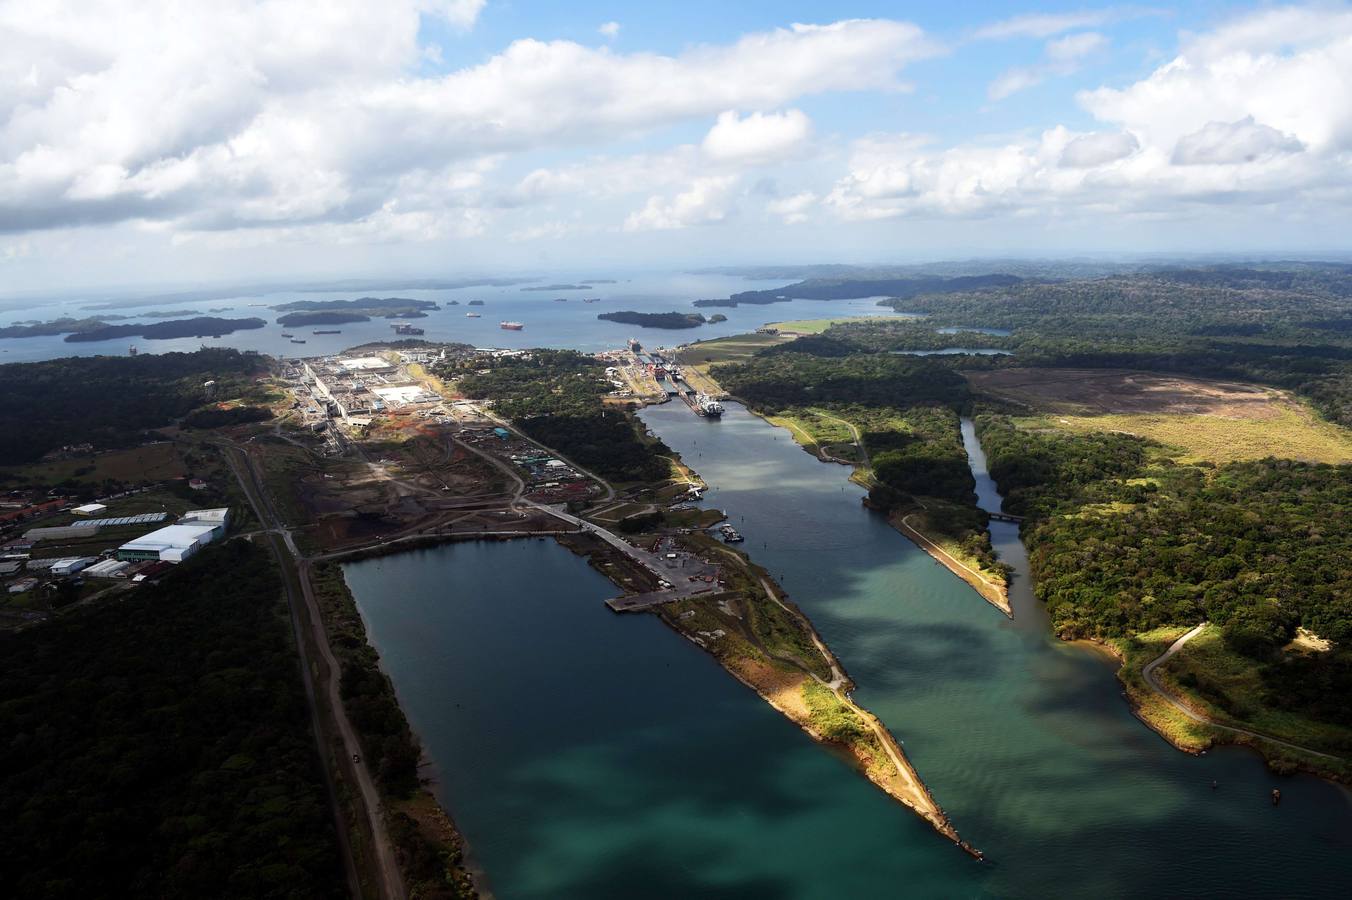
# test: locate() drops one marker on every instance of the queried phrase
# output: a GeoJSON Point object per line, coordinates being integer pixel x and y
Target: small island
{"type": "Point", "coordinates": [655, 320]}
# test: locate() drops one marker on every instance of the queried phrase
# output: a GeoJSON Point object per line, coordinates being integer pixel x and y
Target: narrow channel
{"type": "Point", "coordinates": [586, 754]}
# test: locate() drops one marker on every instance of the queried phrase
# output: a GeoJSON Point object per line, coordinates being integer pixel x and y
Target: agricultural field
{"type": "Point", "coordinates": [817, 326]}
{"type": "Point", "coordinates": [1212, 421]}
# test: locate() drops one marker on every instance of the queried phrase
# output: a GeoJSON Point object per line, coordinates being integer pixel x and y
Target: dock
{"type": "Point", "coordinates": [638, 602]}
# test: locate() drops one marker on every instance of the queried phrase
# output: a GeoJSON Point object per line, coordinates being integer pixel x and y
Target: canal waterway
{"type": "Point", "coordinates": [592, 755]}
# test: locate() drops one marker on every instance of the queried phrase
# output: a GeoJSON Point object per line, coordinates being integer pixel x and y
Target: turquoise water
{"type": "Point", "coordinates": [592, 755]}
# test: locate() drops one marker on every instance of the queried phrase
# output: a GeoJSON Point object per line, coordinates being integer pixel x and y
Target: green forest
{"type": "Point", "coordinates": [160, 746]}
{"type": "Point", "coordinates": [1122, 539]}
{"type": "Point", "coordinates": [1288, 326]}
{"type": "Point", "coordinates": [109, 401]}
{"type": "Point", "coordinates": [907, 412]}
{"type": "Point", "coordinates": [555, 396]}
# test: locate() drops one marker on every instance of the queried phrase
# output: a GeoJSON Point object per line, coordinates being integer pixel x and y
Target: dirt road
{"type": "Point", "coordinates": [1148, 673]}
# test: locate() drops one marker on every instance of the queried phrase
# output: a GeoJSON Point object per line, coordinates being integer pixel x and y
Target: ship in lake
{"type": "Point", "coordinates": [511, 326]}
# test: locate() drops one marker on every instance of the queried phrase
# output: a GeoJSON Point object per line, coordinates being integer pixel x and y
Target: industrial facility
{"type": "Point", "coordinates": [173, 543]}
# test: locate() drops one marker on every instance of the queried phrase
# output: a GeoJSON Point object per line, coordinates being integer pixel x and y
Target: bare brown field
{"type": "Point", "coordinates": [1216, 421]}
{"type": "Point", "coordinates": [1107, 391]}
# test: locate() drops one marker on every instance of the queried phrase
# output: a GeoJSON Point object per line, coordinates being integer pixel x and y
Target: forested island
{"type": "Point", "coordinates": [673, 320]}
{"type": "Point", "coordinates": [366, 307]}
{"type": "Point", "coordinates": [202, 326]}
{"type": "Point", "coordinates": [320, 318]}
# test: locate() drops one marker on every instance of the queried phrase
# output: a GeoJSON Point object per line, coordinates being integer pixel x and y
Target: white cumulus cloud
{"type": "Point", "coordinates": [704, 202]}
{"type": "Point", "coordinates": [757, 138]}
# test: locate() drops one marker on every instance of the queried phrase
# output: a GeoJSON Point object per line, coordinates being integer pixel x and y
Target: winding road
{"type": "Point", "coordinates": [1148, 673]}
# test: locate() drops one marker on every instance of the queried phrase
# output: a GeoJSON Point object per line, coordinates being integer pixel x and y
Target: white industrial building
{"type": "Point", "coordinates": [90, 509]}
{"type": "Point", "coordinates": [219, 516]}
{"type": "Point", "coordinates": [173, 543]}
{"type": "Point", "coordinates": [71, 565]}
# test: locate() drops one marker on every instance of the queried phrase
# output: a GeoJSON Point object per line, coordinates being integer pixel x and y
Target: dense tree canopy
{"type": "Point", "coordinates": [109, 401]}
{"type": "Point", "coordinates": [160, 746]}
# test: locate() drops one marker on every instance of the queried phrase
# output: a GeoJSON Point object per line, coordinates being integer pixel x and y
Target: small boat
{"type": "Point", "coordinates": [1276, 796]}
{"type": "Point", "coordinates": [511, 326]}
{"type": "Point", "coordinates": [472, 315]}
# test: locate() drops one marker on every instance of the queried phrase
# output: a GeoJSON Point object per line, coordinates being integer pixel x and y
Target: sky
{"type": "Point", "coordinates": [161, 142]}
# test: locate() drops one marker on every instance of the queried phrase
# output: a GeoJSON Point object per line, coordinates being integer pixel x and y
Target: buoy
{"type": "Point", "coordinates": [1276, 796]}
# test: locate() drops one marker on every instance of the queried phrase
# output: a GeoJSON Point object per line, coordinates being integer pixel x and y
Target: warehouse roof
{"type": "Point", "coordinates": [205, 516]}
{"type": "Point", "coordinates": [168, 537]}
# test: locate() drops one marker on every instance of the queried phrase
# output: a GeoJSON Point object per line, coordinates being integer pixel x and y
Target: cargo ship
{"type": "Point", "coordinates": [407, 329]}
{"type": "Point", "coordinates": [731, 535]}
{"type": "Point", "coordinates": [285, 335]}
{"type": "Point", "coordinates": [329, 331]}
{"type": "Point", "coordinates": [476, 303]}
{"type": "Point", "coordinates": [471, 315]}
{"type": "Point", "coordinates": [709, 406]}
{"type": "Point", "coordinates": [511, 326]}
{"type": "Point", "coordinates": [634, 345]}
{"type": "Point", "coordinates": [297, 340]}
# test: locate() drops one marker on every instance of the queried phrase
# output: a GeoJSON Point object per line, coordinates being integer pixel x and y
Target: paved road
{"type": "Point", "coordinates": [1149, 674]}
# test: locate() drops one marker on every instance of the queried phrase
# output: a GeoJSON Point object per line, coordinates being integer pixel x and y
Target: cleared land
{"type": "Point", "coordinates": [817, 326]}
{"type": "Point", "coordinates": [737, 348]}
{"type": "Point", "coordinates": [1218, 421]}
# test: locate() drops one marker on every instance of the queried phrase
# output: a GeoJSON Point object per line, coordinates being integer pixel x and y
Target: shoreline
{"type": "Point", "coordinates": [782, 691]}
{"type": "Point", "coordinates": [996, 595]}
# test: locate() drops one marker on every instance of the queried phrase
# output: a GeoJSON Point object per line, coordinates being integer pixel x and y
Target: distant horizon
{"type": "Point", "coordinates": [222, 288]}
